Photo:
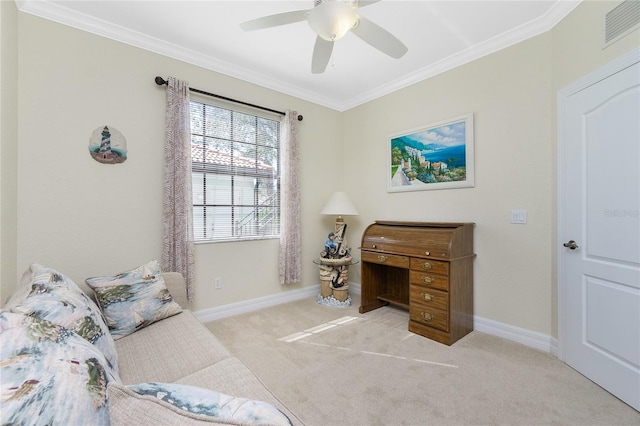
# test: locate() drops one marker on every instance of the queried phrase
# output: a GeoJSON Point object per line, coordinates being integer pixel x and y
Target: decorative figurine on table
{"type": "Point", "coordinates": [336, 255]}
{"type": "Point", "coordinates": [329, 245]}
{"type": "Point", "coordinates": [335, 245]}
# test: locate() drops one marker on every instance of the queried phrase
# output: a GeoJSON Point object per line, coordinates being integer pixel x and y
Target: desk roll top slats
{"type": "Point", "coordinates": [426, 267]}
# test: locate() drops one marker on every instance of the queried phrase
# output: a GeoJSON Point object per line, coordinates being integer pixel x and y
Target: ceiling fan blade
{"type": "Point", "coordinates": [321, 55]}
{"type": "Point", "coordinates": [363, 3]}
{"type": "Point", "coordinates": [275, 20]}
{"type": "Point", "coordinates": [379, 38]}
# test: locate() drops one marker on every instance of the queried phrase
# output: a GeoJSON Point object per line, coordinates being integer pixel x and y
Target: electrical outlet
{"type": "Point", "coordinates": [218, 282]}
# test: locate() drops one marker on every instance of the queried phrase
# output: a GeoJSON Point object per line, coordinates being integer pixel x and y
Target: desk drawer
{"type": "Point", "coordinates": [428, 297]}
{"type": "Point", "coordinates": [386, 259]}
{"type": "Point", "coordinates": [439, 282]}
{"type": "Point", "coordinates": [432, 266]}
{"type": "Point", "coordinates": [429, 316]}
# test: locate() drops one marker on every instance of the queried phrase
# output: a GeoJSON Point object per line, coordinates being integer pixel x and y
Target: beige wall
{"type": "Point", "coordinates": [85, 218]}
{"type": "Point", "coordinates": [509, 94]}
{"type": "Point", "coordinates": [8, 145]}
{"type": "Point", "coordinates": [512, 94]}
{"type": "Point", "coordinates": [578, 43]}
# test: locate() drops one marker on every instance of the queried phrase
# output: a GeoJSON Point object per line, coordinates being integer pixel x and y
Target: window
{"type": "Point", "coordinates": [236, 174]}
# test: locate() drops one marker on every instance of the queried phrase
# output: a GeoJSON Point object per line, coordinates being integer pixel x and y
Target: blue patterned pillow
{"type": "Point", "coordinates": [133, 299]}
{"type": "Point", "coordinates": [47, 294]}
{"type": "Point", "coordinates": [50, 375]}
{"type": "Point", "coordinates": [192, 404]}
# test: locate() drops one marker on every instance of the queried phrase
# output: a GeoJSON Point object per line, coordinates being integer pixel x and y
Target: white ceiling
{"type": "Point", "coordinates": [440, 35]}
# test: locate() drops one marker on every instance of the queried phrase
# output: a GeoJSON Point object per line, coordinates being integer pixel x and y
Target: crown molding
{"type": "Point", "coordinates": [62, 15]}
{"type": "Point", "coordinates": [530, 29]}
{"type": "Point", "coordinates": [65, 16]}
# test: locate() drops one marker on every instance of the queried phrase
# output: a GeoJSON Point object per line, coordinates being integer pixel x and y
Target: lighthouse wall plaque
{"type": "Point", "coordinates": [108, 146]}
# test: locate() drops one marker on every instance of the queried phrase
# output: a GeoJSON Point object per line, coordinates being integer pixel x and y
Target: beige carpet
{"type": "Point", "coordinates": [333, 366]}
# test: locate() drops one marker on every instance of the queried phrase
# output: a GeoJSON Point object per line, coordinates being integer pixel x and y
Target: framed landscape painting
{"type": "Point", "coordinates": [438, 156]}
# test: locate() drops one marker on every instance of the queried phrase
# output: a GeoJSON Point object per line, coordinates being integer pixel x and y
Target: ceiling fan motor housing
{"type": "Point", "coordinates": [332, 19]}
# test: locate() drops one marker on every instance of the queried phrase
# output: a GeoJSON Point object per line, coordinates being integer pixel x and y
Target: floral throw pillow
{"type": "Point", "coordinates": [133, 299]}
{"type": "Point", "coordinates": [171, 403]}
{"type": "Point", "coordinates": [50, 375]}
{"type": "Point", "coordinates": [47, 294]}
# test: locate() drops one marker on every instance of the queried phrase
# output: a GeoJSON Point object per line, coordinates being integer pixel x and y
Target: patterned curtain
{"type": "Point", "coordinates": [177, 207]}
{"type": "Point", "coordinates": [290, 265]}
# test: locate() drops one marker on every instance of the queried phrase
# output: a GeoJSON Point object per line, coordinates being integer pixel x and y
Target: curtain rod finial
{"type": "Point", "coordinates": [160, 81]}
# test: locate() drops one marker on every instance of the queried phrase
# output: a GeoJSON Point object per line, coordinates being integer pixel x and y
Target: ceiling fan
{"type": "Point", "coordinates": [331, 20]}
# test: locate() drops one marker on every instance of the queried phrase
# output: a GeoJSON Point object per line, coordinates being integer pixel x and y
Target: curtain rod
{"type": "Point", "coordinates": [161, 82]}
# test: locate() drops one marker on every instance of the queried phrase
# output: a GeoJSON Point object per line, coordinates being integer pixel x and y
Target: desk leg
{"type": "Point", "coordinates": [370, 307]}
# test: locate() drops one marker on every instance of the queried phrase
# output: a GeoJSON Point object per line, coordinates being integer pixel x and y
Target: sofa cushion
{"type": "Point", "coordinates": [232, 377]}
{"type": "Point", "coordinates": [47, 294]}
{"type": "Point", "coordinates": [167, 350]}
{"type": "Point", "coordinates": [50, 375]}
{"type": "Point", "coordinates": [133, 299]}
{"type": "Point", "coordinates": [170, 403]}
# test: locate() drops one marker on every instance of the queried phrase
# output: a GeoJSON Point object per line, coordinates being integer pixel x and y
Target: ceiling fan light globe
{"type": "Point", "coordinates": [332, 19]}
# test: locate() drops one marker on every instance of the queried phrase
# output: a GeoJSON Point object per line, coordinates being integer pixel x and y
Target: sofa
{"type": "Point", "coordinates": [164, 371]}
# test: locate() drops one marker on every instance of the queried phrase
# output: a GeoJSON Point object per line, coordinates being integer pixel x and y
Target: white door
{"type": "Point", "coordinates": [599, 227]}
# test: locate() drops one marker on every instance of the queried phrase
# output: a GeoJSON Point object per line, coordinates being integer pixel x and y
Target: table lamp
{"type": "Point", "coordinates": [335, 258]}
{"type": "Point", "coordinates": [339, 204]}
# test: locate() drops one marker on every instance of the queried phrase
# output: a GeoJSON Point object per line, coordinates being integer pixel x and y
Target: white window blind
{"type": "Point", "coordinates": [236, 174]}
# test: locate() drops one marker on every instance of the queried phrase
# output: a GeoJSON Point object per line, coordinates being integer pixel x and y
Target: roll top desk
{"type": "Point", "coordinates": [426, 267]}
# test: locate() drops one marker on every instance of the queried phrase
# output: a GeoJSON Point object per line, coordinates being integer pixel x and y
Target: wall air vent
{"type": "Point", "coordinates": [621, 20]}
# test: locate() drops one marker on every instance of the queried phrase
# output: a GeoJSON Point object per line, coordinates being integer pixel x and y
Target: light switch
{"type": "Point", "coordinates": [519, 216]}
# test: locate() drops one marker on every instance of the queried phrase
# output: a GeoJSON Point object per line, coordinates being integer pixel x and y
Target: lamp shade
{"type": "Point", "coordinates": [339, 204]}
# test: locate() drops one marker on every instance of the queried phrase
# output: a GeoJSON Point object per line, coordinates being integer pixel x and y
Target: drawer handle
{"type": "Point", "coordinates": [382, 258]}
{"type": "Point", "coordinates": [427, 280]}
{"type": "Point", "coordinates": [427, 265]}
{"type": "Point", "coordinates": [426, 297]}
{"type": "Point", "coordinates": [426, 316]}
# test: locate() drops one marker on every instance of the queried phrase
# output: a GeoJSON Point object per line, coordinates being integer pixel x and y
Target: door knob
{"type": "Point", "coordinates": [571, 244]}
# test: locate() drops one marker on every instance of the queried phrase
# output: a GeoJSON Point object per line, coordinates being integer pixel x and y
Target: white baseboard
{"type": "Point", "coordinates": [355, 288]}
{"type": "Point", "coordinates": [219, 312]}
{"type": "Point", "coordinates": [526, 337]}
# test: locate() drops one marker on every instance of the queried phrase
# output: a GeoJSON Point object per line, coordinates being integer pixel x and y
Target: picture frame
{"type": "Point", "coordinates": [437, 156]}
